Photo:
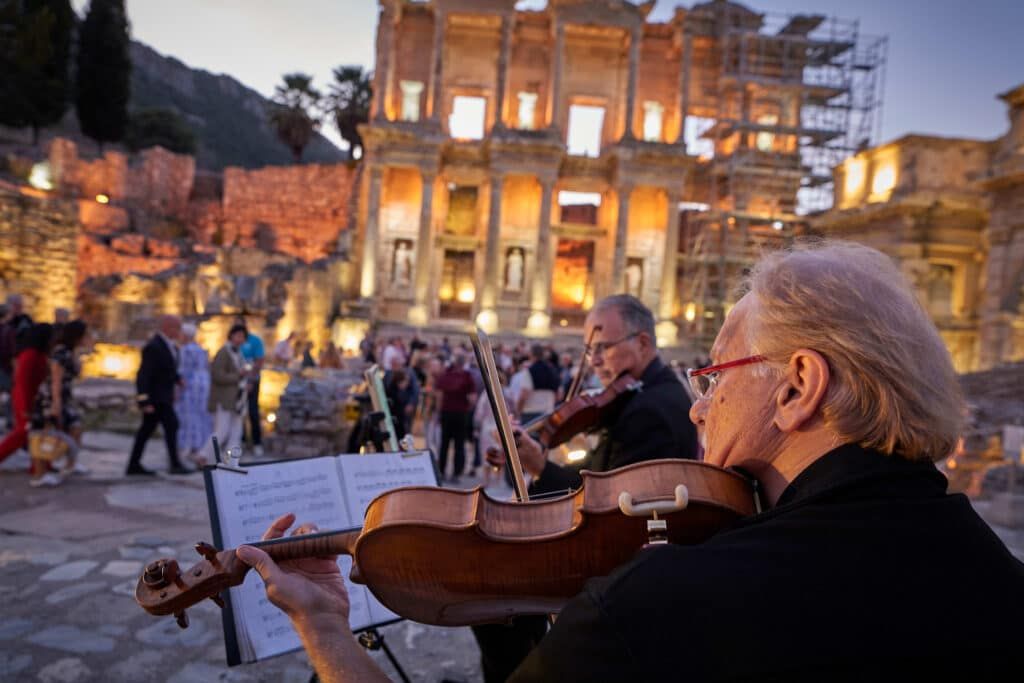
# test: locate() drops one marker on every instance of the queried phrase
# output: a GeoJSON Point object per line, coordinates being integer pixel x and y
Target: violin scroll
{"type": "Point", "coordinates": [165, 589]}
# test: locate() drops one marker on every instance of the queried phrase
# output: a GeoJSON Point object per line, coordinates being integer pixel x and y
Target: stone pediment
{"type": "Point", "coordinates": [601, 12]}
{"type": "Point", "coordinates": [477, 7]}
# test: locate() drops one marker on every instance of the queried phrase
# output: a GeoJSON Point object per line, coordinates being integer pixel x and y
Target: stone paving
{"type": "Point", "coordinates": [69, 561]}
{"type": "Point", "coordinates": [70, 558]}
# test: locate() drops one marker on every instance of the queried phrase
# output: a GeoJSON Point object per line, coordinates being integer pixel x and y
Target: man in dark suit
{"type": "Point", "coordinates": [155, 382]}
{"type": "Point", "coordinates": [646, 424]}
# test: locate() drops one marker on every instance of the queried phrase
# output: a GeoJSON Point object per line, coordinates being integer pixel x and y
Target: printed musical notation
{"type": "Point", "coordinates": [331, 492]}
{"type": "Point", "coordinates": [368, 477]}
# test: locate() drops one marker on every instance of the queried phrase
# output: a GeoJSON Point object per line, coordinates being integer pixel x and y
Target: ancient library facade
{"type": "Point", "coordinates": [521, 165]}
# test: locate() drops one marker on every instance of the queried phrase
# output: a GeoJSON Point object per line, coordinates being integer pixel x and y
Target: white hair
{"type": "Point", "coordinates": [892, 386]}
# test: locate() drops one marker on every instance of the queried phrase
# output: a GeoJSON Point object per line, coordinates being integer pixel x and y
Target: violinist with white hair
{"type": "Point", "coordinates": [832, 388]}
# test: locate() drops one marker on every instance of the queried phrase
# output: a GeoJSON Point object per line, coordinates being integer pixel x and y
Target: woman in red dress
{"type": "Point", "coordinates": [30, 369]}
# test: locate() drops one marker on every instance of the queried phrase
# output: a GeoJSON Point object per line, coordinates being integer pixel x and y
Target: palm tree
{"type": "Point", "coordinates": [295, 112]}
{"type": "Point", "coordinates": [349, 104]}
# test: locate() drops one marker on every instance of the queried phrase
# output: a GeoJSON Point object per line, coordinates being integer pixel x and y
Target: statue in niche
{"type": "Point", "coordinates": [514, 261]}
{"type": "Point", "coordinates": [940, 290]}
{"type": "Point", "coordinates": [634, 277]}
{"type": "Point", "coordinates": [401, 264]}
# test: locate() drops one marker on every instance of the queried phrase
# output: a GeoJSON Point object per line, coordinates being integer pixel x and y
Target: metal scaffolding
{"type": "Point", "coordinates": [782, 99]}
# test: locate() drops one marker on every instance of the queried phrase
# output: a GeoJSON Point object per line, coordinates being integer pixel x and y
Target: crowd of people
{"type": "Point", "coordinates": [198, 402]}
{"type": "Point", "coordinates": [436, 390]}
{"type": "Point", "coordinates": [39, 361]}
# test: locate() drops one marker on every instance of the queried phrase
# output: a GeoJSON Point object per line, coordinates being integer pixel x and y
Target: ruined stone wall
{"type": "Point", "coordinates": [125, 253]}
{"type": "Point", "coordinates": [38, 251]}
{"type": "Point", "coordinates": [156, 180]}
{"type": "Point", "coordinates": [295, 210]}
{"type": "Point", "coordinates": [87, 178]}
{"type": "Point", "coordinates": [161, 182]}
{"type": "Point", "coordinates": [941, 164]}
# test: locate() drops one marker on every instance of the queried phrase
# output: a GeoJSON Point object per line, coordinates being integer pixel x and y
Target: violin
{"type": "Point", "coordinates": [582, 413]}
{"type": "Point", "coordinates": [456, 558]}
{"type": "Point", "coordinates": [452, 557]}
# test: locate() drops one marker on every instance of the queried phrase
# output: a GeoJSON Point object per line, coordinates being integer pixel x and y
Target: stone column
{"type": "Point", "coordinates": [382, 76]}
{"type": "Point", "coordinates": [540, 295]}
{"type": "Point", "coordinates": [634, 63]}
{"type": "Point", "coordinates": [487, 318]}
{"type": "Point", "coordinates": [621, 235]}
{"type": "Point", "coordinates": [684, 86]}
{"type": "Point", "coordinates": [667, 330]}
{"type": "Point", "coordinates": [501, 83]}
{"type": "Point", "coordinates": [555, 82]}
{"type": "Point", "coordinates": [371, 238]}
{"type": "Point", "coordinates": [437, 65]}
{"type": "Point", "coordinates": [419, 314]}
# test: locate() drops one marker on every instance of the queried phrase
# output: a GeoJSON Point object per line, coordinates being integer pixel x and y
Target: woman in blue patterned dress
{"type": "Point", "coordinates": [195, 426]}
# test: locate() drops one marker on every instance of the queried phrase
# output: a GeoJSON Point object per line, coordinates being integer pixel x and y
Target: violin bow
{"type": "Point", "coordinates": [577, 381]}
{"type": "Point", "coordinates": [489, 373]}
{"type": "Point", "coordinates": [374, 377]}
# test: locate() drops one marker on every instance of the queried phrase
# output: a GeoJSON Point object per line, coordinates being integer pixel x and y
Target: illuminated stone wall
{"type": "Point", "coordinates": [38, 251]}
{"type": "Point", "coordinates": [948, 211]}
{"type": "Point", "coordinates": [296, 210]}
{"type": "Point", "coordinates": [155, 180]}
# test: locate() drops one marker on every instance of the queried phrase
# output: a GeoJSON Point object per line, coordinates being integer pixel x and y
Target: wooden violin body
{"type": "Point", "coordinates": [582, 413]}
{"type": "Point", "coordinates": [455, 558]}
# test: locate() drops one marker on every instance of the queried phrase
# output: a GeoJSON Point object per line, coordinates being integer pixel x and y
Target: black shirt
{"type": "Point", "coordinates": [650, 424]}
{"type": "Point", "coordinates": [865, 570]}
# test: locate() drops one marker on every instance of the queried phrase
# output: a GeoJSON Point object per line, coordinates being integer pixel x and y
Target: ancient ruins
{"type": "Point", "coordinates": [521, 164]}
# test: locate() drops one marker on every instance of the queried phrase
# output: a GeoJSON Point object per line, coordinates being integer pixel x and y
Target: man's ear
{"type": "Point", "coordinates": [800, 396]}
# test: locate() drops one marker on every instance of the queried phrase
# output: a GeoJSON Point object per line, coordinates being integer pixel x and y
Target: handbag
{"type": "Point", "coordinates": [49, 444]}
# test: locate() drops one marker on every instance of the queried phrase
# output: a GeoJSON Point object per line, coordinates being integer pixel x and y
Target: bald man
{"type": "Point", "coordinates": [155, 382]}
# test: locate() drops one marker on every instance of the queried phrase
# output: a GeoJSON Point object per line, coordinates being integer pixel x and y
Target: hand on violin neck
{"type": "Point", "coordinates": [309, 591]}
{"type": "Point", "coordinates": [532, 455]}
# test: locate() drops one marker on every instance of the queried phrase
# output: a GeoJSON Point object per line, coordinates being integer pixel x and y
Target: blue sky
{"type": "Point", "coordinates": [948, 59]}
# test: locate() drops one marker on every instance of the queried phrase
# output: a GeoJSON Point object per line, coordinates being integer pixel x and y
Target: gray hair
{"type": "Point", "coordinates": [892, 387]}
{"type": "Point", "coordinates": [635, 316]}
{"type": "Point", "coordinates": [188, 330]}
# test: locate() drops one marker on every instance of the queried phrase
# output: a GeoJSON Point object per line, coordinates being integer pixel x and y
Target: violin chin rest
{"type": "Point", "coordinates": [657, 507]}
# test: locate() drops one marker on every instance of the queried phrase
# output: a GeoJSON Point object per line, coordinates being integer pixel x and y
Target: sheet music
{"type": "Point", "coordinates": [331, 492]}
{"type": "Point", "coordinates": [365, 478]}
{"type": "Point", "coordinates": [248, 504]}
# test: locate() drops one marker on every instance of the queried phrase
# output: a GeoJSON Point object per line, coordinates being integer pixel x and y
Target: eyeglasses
{"type": "Point", "coordinates": [601, 347]}
{"type": "Point", "coordinates": [704, 380]}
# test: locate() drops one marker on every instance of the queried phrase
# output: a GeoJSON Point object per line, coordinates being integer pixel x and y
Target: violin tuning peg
{"type": "Point", "coordinates": [182, 619]}
{"type": "Point", "coordinates": [207, 551]}
{"type": "Point", "coordinates": [217, 600]}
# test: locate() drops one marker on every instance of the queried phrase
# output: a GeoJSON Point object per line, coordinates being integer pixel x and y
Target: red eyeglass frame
{"type": "Point", "coordinates": [725, 366]}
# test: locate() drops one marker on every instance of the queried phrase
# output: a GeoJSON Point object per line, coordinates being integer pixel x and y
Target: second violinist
{"type": "Point", "coordinates": [645, 425]}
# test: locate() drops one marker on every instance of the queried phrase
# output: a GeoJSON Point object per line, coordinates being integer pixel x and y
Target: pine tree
{"type": "Point", "coordinates": [104, 72]}
{"type": "Point", "coordinates": [35, 90]}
